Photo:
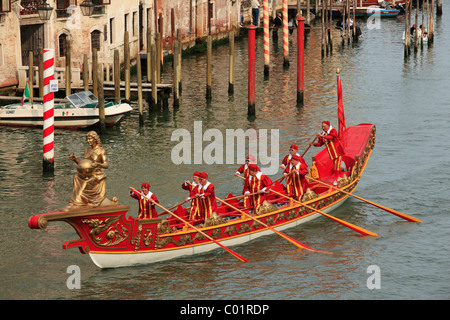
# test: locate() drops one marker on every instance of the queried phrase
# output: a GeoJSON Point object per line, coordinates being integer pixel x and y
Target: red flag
{"type": "Point", "coordinates": [341, 116]}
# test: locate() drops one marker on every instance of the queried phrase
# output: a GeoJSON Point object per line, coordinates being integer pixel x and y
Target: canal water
{"type": "Point", "coordinates": [407, 100]}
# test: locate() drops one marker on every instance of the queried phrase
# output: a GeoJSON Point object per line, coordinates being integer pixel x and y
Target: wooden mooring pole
{"type": "Point", "coordinates": [251, 70]}
{"type": "Point", "coordinates": [116, 75]}
{"type": "Point", "coordinates": [139, 88]}
{"type": "Point", "coordinates": [126, 49]}
{"type": "Point", "coordinates": [208, 67]}
{"type": "Point", "coordinates": [101, 97]}
{"type": "Point", "coordinates": [300, 49]}
{"type": "Point", "coordinates": [231, 64]}
{"type": "Point", "coordinates": [176, 86]}
{"type": "Point", "coordinates": [266, 37]}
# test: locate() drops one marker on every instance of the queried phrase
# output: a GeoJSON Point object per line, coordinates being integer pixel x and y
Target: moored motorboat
{"type": "Point", "coordinates": [78, 110]}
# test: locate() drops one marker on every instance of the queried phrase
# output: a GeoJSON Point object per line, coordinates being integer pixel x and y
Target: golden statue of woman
{"type": "Point", "coordinates": [89, 183]}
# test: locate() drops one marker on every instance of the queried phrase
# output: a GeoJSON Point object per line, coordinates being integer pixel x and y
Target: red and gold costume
{"type": "Point", "coordinates": [296, 183]}
{"type": "Point", "coordinates": [208, 203]}
{"type": "Point", "coordinates": [244, 170]}
{"type": "Point", "coordinates": [195, 202]}
{"type": "Point", "coordinates": [146, 208]}
{"type": "Point", "coordinates": [333, 145]}
{"type": "Point", "coordinates": [287, 159]}
{"type": "Point", "coordinates": [253, 184]}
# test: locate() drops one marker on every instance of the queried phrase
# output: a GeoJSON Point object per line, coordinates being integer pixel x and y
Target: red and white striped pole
{"type": "Point", "coordinates": [285, 34]}
{"type": "Point", "coordinates": [266, 36]}
{"type": "Point", "coordinates": [48, 127]}
{"type": "Point", "coordinates": [300, 50]}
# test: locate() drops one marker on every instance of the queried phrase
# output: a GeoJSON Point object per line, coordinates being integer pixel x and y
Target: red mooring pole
{"type": "Point", "coordinates": [300, 49]}
{"type": "Point", "coordinates": [251, 70]}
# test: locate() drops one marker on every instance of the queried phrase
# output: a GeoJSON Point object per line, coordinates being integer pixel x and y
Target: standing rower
{"type": "Point", "coordinates": [146, 198]}
{"type": "Point", "coordinates": [296, 183]}
{"type": "Point", "coordinates": [207, 197]}
{"type": "Point", "coordinates": [256, 185]}
{"type": "Point", "coordinates": [330, 138]}
{"type": "Point", "coordinates": [193, 190]}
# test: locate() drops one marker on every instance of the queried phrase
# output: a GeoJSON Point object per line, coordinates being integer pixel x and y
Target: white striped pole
{"type": "Point", "coordinates": [48, 128]}
{"type": "Point", "coordinates": [266, 36]}
{"type": "Point", "coordinates": [285, 34]}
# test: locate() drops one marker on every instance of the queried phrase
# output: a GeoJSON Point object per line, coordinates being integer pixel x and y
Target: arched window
{"type": "Point", "coordinates": [95, 40]}
{"type": "Point", "coordinates": [62, 41]}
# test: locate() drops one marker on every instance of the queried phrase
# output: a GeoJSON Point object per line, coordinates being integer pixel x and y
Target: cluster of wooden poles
{"type": "Point", "coordinates": [347, 13]}
{"type": "Point", "coordinates": [427, 20]}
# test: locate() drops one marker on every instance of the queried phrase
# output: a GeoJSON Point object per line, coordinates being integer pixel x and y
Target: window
{"type": "Point", "coordinates": [95, 40]}
{"type": "Point", "coordinates": [133, 22]}
{"type": "Point", "coordinates": [111, 30]}
{"type": "Point", "coordinates": [62, 40]}
{"type": "Point", "coordinates": [5, 5]}
{"type": "Point", "coordinates": [64, 4]}
{"type": "Point", "coordinates": [125, 22]}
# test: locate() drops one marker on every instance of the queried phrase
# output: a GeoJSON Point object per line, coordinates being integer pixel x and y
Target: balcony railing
{"type": "Point", "coordinates": [29, 7]}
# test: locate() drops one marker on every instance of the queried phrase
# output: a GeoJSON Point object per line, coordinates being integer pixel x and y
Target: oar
{"type": "Point", "coordinates": [198, 230]}
{"type": "Point", "coordinates": [399, 214]}
{"type": "Point", "coordinates": [309, 146]}
{"type": "Point", "coordinates": [293, 241]}
{"type": "Point", "coordinates": [344, 223]}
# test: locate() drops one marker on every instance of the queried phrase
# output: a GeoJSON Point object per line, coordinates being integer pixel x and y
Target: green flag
{"type": "Point", "coordinates": [26, 93]}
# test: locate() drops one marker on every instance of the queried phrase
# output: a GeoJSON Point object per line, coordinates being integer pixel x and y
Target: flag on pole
{"type": "Point", "coordinates": [341, 116]}
{"type": "Point", "coordinates": [26, 93]}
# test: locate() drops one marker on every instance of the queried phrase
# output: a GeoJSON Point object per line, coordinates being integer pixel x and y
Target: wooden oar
{"type": "Point", "coordinates": [309, 146]}
{"type": "Point", "coordinates": [344, 223]}
{"type": "Point", "coordinates": [293, 241]}
{"type": "Point", "coordinates": [399, 214]}
{"type": "Point", "coordinates": [198, 230]}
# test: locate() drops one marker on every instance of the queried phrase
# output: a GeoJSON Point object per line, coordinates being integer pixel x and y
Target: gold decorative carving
{"type": "Point", "coordinates": [113, 235]}
{"type": "Point", "coordinates": [266, 207]}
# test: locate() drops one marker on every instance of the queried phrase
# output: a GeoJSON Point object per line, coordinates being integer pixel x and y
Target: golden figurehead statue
{"type": "Point", "coordinates": [89, 183]}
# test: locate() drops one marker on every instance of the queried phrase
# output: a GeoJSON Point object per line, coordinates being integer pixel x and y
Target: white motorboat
{"type": "Point", "coordinates": [78, 110]}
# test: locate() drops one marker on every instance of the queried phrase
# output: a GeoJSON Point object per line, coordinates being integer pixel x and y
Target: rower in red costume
{"type": "Point", "coordinates": [257, 185]}
{"type": "Point", "coordinates": [244, 170]}
{"type": "Point", "coordinates": [330, 138]}
{"type": "Point", "coordinates": [287, 159]}
{"type": "Point", "coordinates": [296, 185]}
{"type": "Point", "coordinates": [193, 190]}
{"type": "Point", "coordinates": [146, 208]}
{"type": "Point", "coordinates": [207, 197]}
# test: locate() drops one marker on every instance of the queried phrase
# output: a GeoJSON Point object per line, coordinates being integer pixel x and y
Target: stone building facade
{"type": "Point", "coordinates": [22, 30]}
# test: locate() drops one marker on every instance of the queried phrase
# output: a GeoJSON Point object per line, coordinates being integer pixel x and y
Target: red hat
{"type": "Point", "coordinates": [145, 185]}
{"type": "Point", "coordinates": [293, 147]}
{"type": "Point", "coordinates": [196, 174]}
{"type": "Point", "coordinates": [250, 157]}
{"type": "Point", "coordinates": [326, 122]}
{"type": "Point", "coordinates": [295, 157]}
{"type": "Point", "coordinates": [253, 167]}
{"type": "Point", "coordinates": [203, 175]}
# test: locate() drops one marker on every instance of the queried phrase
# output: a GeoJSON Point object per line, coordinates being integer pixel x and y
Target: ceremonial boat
{"type": "Point", "coordinates": [114, 239]}
{"type": "Point", "coordinates": [78, 110]}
